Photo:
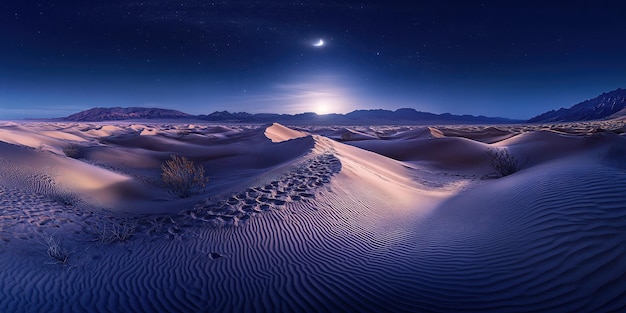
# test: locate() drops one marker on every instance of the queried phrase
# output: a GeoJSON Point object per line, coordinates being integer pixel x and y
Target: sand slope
{"type": "Point", "coordinates": [294, 221]}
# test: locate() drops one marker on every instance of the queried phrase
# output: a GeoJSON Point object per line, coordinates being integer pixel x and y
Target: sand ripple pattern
{"type": "Point", "coordinates": [23, 212]}
{"type": "Point", "coordinates": [40, 183]}
{"type": "Point", "coordinates": [547, 243]}
{"type": "Point", "coordinates": [552, 242]}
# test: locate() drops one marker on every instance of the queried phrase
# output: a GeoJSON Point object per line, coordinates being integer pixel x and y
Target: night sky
{"type": "Point", "coordinates": [464, 57]}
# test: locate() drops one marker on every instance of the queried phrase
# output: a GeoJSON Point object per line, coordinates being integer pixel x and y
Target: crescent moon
{"type": "Point", "coordinates": [319, 43]}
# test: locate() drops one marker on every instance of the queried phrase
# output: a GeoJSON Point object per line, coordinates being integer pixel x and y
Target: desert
{"type": "Point", "coordinates": [312, 218]}
{"type": "Point", "coordinates": [312, 156]}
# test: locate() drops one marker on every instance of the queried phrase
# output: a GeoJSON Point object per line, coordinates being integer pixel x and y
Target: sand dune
{"type": "Point", "coordinates": [279, 133]}
{"type": "Point", "coordinates": [389, 219]}
{"type": "Point", "coordinates": [488, 134]}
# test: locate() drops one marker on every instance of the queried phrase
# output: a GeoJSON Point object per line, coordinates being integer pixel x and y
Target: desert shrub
{"type": "Point", "coordinates": [64, 199]}
{"type": "Point", "coordinates": [345, 136]}
{"type": "Point", "coordinates": [182, 177]}
{"type": "Point", "coordinates": [183, 132]}
{"type": "Point", "coordinates": [502, 161]}
{"type": "Point", "coordinates": [71, 150]}
{"type": "Point", "coordinates": [55, 250]}
{"type": "Point", "coordinates": [111, 231]}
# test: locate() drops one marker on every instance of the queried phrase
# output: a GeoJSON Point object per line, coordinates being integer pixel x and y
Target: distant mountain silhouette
{"type": "Point", "coordinates": [409, 116]}
{"type": "Point", "coordinates": [604, 106]}
{"type": "Point", "coordinates": [117, 113]}
{"type": "Point", "coordinates": [401, 116]}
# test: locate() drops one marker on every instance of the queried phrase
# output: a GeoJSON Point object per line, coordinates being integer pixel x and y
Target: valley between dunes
{"type": "Point", "coordinates": [308, 219]}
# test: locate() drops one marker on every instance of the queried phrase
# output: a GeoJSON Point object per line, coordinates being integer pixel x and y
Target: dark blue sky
{"type": "Point", "coordinates": [463, 57]}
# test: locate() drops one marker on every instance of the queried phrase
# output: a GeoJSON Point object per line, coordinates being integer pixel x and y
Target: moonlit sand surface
{"type": "Point", "coordinates": [385, 219]}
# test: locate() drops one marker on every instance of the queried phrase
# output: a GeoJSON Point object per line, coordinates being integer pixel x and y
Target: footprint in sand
{"type": "Point", "coordinates": [298, 185]}
{"type": "Point", "coordinates": [215, 255]}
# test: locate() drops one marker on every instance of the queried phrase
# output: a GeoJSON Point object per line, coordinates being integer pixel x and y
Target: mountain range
{"type": "Point", "coordinates": [117, 113]}
{"type": "Point", "coordinates": [400, 116]}
{"type": "Point", "coordinates": [605, 106]}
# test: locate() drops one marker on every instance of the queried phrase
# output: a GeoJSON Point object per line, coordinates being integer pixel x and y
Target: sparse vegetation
{"type": "Point", "coordinates": [55, 250]}
{"type": "Point", "coordinates": [103, 141]}
{"type": "Point", "coordinates": [64, 199]}
{"type": "Point", "coordinates": [183, 132]}
{"type": "Point", "coordinates": [71, 151]}
{"type": "Point", "coordinates": [182, 177]}
{"type": "Point", "coordinates": [112, 231]}
{"type": "Point", "coordinates": [346, 136]}
{"type": "Point", "coordinates": [503, 162]}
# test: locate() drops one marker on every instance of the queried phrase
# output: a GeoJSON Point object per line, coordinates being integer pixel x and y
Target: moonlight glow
{"type": "Point", "coordinates": [320, 43]}
{"type": "Point", "coordinates": [328, 105]}
{"type": "Point", "coordinates": [322, 107]}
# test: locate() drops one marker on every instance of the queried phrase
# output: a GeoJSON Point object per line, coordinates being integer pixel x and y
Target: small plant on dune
{"type": "Point", "coordinates": [71, 151]}
{"type": "Point", "coordinates": [64, 199]}
{"type": "Point", "coordinates": [182, 177]}
{"type": "Point", "coordinates": [55, 250]}
{"type": "Point", "coordinates": [502, 161]}
{"type": "Point", "coordinates": [183, 132]}
{"type": "Point", "coordinates": [346, 136]}
{"type": "Point", "coordinates": [110, 231]}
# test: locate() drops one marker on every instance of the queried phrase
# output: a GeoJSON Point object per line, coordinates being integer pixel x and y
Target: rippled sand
{"type": "Point", "coordinates": [384, 218]}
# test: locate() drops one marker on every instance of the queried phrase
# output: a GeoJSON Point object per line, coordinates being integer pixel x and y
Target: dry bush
{"type": "Point", "coordinates": [503, 162]}
{"type": "Point", "coordinates": [111, 231]}
{"type": "Point", "coordinates": [65, 199]}
{"type": "Point", "coordinates": [182, 177]}
{"type": "Point", "coordinates": [71, 151]}
{"type": "Point", "coordinates": [183, 132]}
{"type": "Point", "coordinates": [346, 136]}
{"type": "Point", "coordinates": [55, 250]}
